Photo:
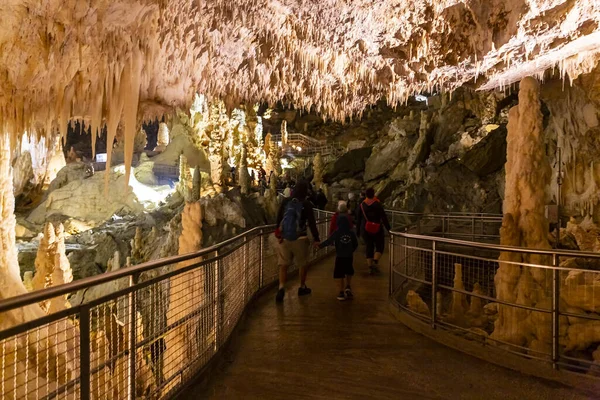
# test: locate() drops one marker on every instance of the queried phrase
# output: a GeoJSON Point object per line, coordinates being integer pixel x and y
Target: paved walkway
{"type": "Point", "coordinates": [317, 347]}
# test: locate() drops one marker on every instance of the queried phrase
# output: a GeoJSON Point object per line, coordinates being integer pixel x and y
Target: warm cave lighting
{"type": "Point", "coordinates": [467, 119]}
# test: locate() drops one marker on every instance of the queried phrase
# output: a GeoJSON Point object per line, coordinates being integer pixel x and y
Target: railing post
{"type": "Point", "coordinates": [221, 299]}
{"type": "Point", "coordinates": [245, 269]}
{"type": "Point", "coordinates": [216, 308]}
{"type": "Point", "coordinates": [405, 261]}
{"type": "Point", "coordinates": [391, 278]}
{"type": "Point", "coordinates": [261, 260]}
{"type": "Point", "coordinates": [133, 280]}
{"type": "Point", "coordinates": [84, 352]}
{"type": "Point", "coordinates": [472, 228]}
{"type": "Point", "coordinates": [555, 311]}
{"type": "Point", "coordinates": [433, 285]}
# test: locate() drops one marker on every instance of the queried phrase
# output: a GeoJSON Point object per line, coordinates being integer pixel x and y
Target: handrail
{"type": "Point", "coordinates": [487, 246]}
{"type": "Point", "coordinates": [51, 292]}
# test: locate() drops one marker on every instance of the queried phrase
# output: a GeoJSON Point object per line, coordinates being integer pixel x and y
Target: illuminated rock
{"type": "Point", "coordinates": [186, 294]}
{"type": "Point", "coordinates": [416, 304]}
{"type": "Point", "coordinates": [524, 223]}
{"type": "Point", "coordinates": [163, 138]}
{"type": "Point", "coordinates": [52, 267]}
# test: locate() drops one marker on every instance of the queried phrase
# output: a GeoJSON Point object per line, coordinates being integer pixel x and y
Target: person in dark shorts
{"type": "Point", "coordinates": [372, 220]}
{"type": "Point", "coordinates": [346, 242]}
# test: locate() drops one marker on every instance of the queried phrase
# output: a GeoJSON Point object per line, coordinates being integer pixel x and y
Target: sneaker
{"type": "Point", "coordinates": [349, 294]}
{"type": "Point", "coordinates": [280, 294]}
{"type": "Point", "coordinates": [303, 291]}
{"type": "Point", "coordinates": [341, 296]}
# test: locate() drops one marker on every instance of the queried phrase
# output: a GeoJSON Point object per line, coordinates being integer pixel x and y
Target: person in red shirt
{"type": "Point", "coordinates": [342, 209]}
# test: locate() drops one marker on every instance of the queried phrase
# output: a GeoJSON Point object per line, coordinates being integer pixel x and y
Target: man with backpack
{"type": "Point", "coordinates": [295, 213]}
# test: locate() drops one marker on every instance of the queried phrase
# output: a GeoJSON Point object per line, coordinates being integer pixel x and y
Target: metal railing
{"type": "Point", "coordinates": [539, 304]}
{"type": "Point", "coordinates": [142, 331]}
{"type": "Point", "coordinates": [307, 146]}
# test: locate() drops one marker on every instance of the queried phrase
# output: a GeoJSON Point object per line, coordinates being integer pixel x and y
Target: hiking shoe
{"type": "Point", "coordinates": [303, 291]}
{"type": "Point", "coordinates": [280, 294]}
{"type": "Point", "coordinates": [348, 293]}
{"type": "Point", "coordinates": [341, 296]}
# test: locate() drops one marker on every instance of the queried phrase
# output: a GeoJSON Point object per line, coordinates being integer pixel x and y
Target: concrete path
{"type": "Point", "coordinates": [318, 347]}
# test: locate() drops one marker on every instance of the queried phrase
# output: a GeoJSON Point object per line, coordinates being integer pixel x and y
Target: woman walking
{"type": "Point", "coordinates": [371, 218]}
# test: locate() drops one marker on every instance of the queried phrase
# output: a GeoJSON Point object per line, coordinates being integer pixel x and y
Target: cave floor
{"type": "Point", "coordinates": [318, 347]}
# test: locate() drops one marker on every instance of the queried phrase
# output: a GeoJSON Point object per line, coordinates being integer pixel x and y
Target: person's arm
{"type": "Point", "coordinates": [310, 219]}
{"type": "Point", "coordinates": [329, 241]}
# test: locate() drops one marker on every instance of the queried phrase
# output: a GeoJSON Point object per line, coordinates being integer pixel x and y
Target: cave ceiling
{"type": "Point", "coordinates": [89, 59]}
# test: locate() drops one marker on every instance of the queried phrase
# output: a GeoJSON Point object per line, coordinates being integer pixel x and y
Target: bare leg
{"type": "Point", "coordinates": [370, 262]}
{"type": "Point", "coordinates": [377, 257]}
{"type": "Point", "coordinates": [283, 276]}
{"type": "Point", "coordinates": [340, 284]}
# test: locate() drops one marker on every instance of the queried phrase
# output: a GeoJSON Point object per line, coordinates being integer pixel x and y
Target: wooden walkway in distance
{"type": "Point", "coordinates": [316, 347]}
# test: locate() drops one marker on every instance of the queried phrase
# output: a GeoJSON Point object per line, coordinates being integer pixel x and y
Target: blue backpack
{"type": "Point", "coordinates": [290, 224]}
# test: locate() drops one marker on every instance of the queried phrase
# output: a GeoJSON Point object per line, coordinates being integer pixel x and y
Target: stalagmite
{"type": "Point", "coordinates": [163, 138]}
{"type": "Point", "coordinates": [415, 303]}
{"type": "Point", "coordinates": [196, 185]}
{"type": "Point", "coordinates": [318, 171]}
{"type": "Point", "coordinates": [183, 186]}
{"type": "Point", "coordinates": [459, 300]}
{"type": "Point", "coordinates": [524, 223]}
{"type": "Point", "coordinates": [47, 349]}
{"type": "Point", "coordinates": [284, 134]}
{"type": "Point", "coordinates": [186, 295]}
{"type": "Point", "coordinates": [244, 176]}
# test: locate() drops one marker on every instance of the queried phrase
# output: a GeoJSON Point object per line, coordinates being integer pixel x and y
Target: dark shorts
{"type": "Point", "coordinates": [375, 243]}
{"type": "Point", "coordinates": [343, 267]}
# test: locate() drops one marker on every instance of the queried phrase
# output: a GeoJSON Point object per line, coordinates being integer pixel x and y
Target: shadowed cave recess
{"type": "Point", "coordinates": [131, 131]}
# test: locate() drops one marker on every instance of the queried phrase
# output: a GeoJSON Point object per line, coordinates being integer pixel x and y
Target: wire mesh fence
{"type": "Point", "coordinates": [146, 337]}
{"type": "Point", "coordinates": [539, 304]}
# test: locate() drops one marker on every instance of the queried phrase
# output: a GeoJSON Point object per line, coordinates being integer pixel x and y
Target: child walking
{"type": "Point", "coordinates": [345, 242]}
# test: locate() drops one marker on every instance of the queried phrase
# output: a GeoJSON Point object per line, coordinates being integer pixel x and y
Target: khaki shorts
{"type": "Point", "coordinates": [293, 252]}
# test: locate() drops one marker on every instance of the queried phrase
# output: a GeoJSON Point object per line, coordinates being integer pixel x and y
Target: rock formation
{"type": "Point", "coordinates": [185, 291]}
{"type": "Point", "coordinates": [318, 171]}
{"type": "Point", "coordinates": [416, 304]}
{"type": "Point", "coordinates": [52, 267]}
{"type": "Point", "coordinates": [244, 176]}
{"type": "Point", "coordinates": [524, 224]}
{"type": "Point", "coordinates": [459, 305]}
{"type": "Point", "coordinates": [163, 138]}
{"type": "Point", "coordinates": [185, 178]}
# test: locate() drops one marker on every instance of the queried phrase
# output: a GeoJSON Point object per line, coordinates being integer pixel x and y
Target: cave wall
{"type": "Point", "coordinates": [447, 154]}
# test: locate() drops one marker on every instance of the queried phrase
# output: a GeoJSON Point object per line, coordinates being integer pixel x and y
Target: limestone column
{"type": "Point", "coordinates": [318, 171]}
{"type": "Point", "coordinates": [524, 224]}
{"type": "Point", "coordinates": [244, 177]}
{"type": "Point", "coordinates": [49, 349]}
